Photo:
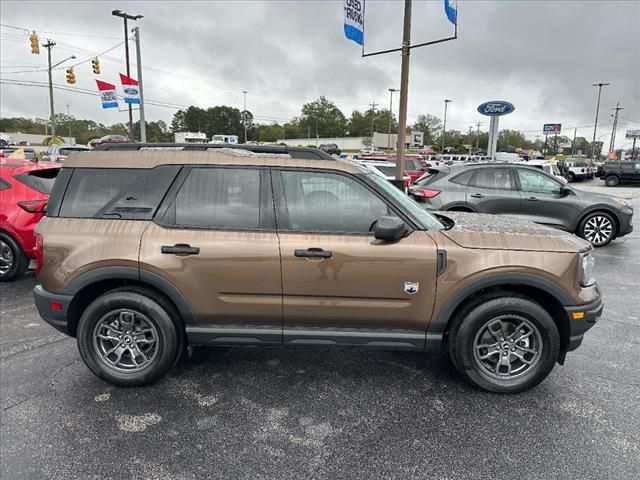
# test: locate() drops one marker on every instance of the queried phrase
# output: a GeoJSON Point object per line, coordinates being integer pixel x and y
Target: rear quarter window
{"type": "Point", "coordinates": [462, 178]}
{"type": "Point", "coordinates": [39, 180]}
{"type": "Point", "coordinates": [116, 193]}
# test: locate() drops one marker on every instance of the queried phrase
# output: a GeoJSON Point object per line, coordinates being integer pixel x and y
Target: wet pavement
{"type": "Point", "coordinates": [253, 413]}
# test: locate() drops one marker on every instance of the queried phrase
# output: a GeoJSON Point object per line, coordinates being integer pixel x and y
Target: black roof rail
{"type": "Point", "coordinates": [295, 152]}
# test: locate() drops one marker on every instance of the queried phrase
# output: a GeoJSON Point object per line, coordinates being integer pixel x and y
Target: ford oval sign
{"type": "Point", "coordinates": [496, 108]}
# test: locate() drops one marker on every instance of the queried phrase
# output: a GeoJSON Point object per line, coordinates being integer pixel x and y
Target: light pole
{"type": "Point", "coordinates": [69, 120]}
{"type": "Point", "coordinates": [595, 127]}
{"type": "Point", "coordinates": [391, 91]}
{"type": "Point", "coordinates": [126, 16]}
{"type": "Point", "coordinates": [244, 115]}
{"type": "Point", "coordinates": [444, 124]}
{"type": "Point", "coordinates": [49, 45]}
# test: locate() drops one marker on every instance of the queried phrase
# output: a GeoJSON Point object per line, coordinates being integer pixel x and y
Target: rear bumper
{"type": "Point", "coordinates": [53, 308]}
{"type": "Point", "coordinates": [588, 314]}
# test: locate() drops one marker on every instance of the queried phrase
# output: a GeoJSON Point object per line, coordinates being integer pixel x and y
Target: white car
{"type": "Point", "coordinates": [384, 169]}
{"type": "Point", "coordinates": [547, 167]}
{"type": "Point", "coordinates": [59, 153]}
{"type": "Point", "coordinates": [371, 151]}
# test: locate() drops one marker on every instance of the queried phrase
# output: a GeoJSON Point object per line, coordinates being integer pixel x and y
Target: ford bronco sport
{"type": "Point", "coordinates": [143, 253]}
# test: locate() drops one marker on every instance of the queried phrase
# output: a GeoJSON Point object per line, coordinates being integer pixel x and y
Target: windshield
{"type": "Point", "coordinates": [423, 218]}
{"type": "Point", "coordinates": [413, 164]}
{"type": "Point", "coordinates": [66, 151]}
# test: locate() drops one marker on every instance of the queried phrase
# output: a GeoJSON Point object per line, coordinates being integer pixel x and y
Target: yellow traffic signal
{"type": "Point", "coordinates": [71, 77]}
{"type": "Point", "coordinates": [96, 65]}
{"type": "Point", "coordinates": [35, 47]}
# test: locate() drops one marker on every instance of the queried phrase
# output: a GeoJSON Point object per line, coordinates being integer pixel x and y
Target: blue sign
{"type": "Point", "coordinates": [496, 108]}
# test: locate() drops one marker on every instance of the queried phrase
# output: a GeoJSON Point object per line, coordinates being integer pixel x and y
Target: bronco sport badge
{"type": "Point", "coordinates": [411, 287]}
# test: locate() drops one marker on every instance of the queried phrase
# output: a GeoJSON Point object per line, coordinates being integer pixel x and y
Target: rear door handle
{"type": "Point", "coordinates": [313, 253]}
{"type": "Point", "coordinates": [477, 195]}
{"type": "Point", "coordinates": [532, 199]}
{"type": "Point", "coordinates": [180, 249]}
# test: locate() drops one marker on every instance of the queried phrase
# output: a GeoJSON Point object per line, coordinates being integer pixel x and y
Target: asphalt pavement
{"type": "Point", "coordinates": [276, 413]}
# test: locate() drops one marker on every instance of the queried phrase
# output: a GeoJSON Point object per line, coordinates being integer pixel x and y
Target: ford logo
{"type": "Point", "coordinates": [496, 108]}
{"type": "Point", "coordinates": [131, 91]}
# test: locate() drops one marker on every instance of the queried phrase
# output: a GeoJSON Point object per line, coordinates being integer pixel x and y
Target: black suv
{"type": "Point", "coordinates": [330, 148]}
{"type": "Point", "coordinates": [525, 192]}
{"type": "Point", "coordinates": [615, 172]}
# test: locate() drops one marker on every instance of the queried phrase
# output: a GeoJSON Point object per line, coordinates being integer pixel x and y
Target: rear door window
{"type": "Point", "coordinates": [116, 193]}
{"type": "Point", "coordinates": [40, 180]}
{"type": "Point", "coordinates": [494, 178]}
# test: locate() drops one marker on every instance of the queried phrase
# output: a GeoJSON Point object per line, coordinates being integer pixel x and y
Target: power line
{"type": "Point", "coordinates": [83, 35]}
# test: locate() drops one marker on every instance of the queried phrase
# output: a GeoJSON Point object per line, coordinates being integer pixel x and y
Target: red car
{"type": "Point", "coordinates": [24, 192]}
{"type": "Point", "coordinates": [412, 164]}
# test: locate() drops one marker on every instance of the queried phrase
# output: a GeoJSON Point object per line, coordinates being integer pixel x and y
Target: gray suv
{"type": "Point", "coordinates": [527, 193]}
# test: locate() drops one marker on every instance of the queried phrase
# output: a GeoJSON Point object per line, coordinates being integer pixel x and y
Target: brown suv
{"type": "Point", "coordinates": [143, 253]}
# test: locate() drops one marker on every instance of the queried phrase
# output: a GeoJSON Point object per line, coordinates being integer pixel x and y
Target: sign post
{"type": "Point", "coordinates": [494, 109]}
{"type": "Point", "coordinates": [635, 134]}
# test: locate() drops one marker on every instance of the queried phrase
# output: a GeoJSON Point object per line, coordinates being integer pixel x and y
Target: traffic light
{"type": "Point", "coordinates": [71, 77]}
{"type": "Point", "coordinates": [35, 47]}
{"type": "Point", "coordinates": [96, 66]}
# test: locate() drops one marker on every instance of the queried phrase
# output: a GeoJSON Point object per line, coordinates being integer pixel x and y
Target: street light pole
{"type": "Point", "coordinates": [391, 91]}
{"type": "Point", "coordinates": [126, 16]}
{"type": "Point", "coordinates": [244, 115]}
{"type": "Point", "coordinates": [49, 45]}
{"type": "Point", "coordinates": [595, 127]}
{"type": "Point", "coordinates": [444, 124]}
{"type": "Point", "coordinates": [143, 122]}
{"type": "Point", "coordinates": [69, 120]}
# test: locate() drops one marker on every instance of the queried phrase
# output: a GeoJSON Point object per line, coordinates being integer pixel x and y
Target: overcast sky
{"type": "Point", "coordinates": [542, 56]}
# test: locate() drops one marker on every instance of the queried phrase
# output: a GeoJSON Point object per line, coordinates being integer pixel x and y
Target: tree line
{"type": "Point", "coordinates": [321, 118]}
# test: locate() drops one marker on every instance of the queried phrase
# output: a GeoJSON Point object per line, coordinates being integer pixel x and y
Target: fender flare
{"type": "Point", "coordinates": [440, 323]}
{"type": "Point", "coordinates": [131, 273]}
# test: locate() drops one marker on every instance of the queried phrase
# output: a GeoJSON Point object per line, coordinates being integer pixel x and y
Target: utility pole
{"type": "Point", "coordinates": [404, 93]}
{"type": "Point", "coordinates": [595, 127]}
{"type": "Point", "coordinates": [308, 135]}
{"type": "Point", "coordinates": [244, 115]}
{"type": "Point", "coordinates": [391, 91]}
{"type": "Point", "coordinates": [317, 132]}
{"type": "Point", "coordinates": [69, 119]}
{"type": "Point", "coordinates": [126, 16]}
{"type": "Point", "coordinates": [49, 45]}
{"type": "Point", "coordinates": [478, 136]}
{"type": "Point", "coordinates": [615, 126]}
{"type": "Point", "coordinates": [373, 118]}
{"type": "Point", "coordinates": [573, 144]}
{"type": "Point", "coordinates": [444, 125]}
{"type": "Point", "coordinates": [143, 122]}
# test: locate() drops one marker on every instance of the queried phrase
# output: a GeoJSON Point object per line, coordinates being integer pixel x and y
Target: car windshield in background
{"type": "Point", "coordinates": [423, 218]}
{"type": "Point", "coordinates": [413, 164]}
{"type": "Point", "coordinates": [389, 171]}
{"type": "Point", "coordinates": [66, 151]}
{"type": "Point", "coordinates": [40, 180]}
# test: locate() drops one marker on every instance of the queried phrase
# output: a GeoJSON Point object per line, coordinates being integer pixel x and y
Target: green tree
{"type": "Point", "coordinates": [430, 125]}
{"type": "Point", "coordinates": [359, 124]}
{"type": "Point", "coordinates": [509, 140]}
{"type": "Point", "coordinates": [330, 121]}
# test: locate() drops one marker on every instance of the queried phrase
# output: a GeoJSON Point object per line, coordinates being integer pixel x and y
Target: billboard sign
{"type": "Point", "coordinates": [633, 134]}
{"type": "Point", "coordinates": [551, 128]}
{"type": "Point", "coordinates": [496, 108]}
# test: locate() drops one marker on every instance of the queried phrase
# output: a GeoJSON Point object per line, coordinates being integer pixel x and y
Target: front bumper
{"type": "Point", "coordinates": [582, 318]}
{"type": "Point", "coordinates": [626, 222]}
{"type": "Point", "coordinates": [53, 308]}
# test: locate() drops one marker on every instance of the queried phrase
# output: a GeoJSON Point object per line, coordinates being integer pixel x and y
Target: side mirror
{"type": "Point", "coordinates": [389, 228]}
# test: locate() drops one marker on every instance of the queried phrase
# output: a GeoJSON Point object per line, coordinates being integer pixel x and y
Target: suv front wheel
{"type": "Point", "coordinates": [504, 344]}
{"type": "Point", "coordinates": [128, 337]}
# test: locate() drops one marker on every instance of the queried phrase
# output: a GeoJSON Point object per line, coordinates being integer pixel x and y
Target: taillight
{"type": "Point", "coordinates": [38, 252]}
{"type": "Point", "coordinates": [422, 192]}
{"type": "Point", "coordinates": [33, 206]}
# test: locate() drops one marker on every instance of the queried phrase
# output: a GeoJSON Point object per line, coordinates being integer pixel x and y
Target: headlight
{"type": "Point", "coordinates": [586, 261]}
{"type": "Point", "coordinates": [623, 202]}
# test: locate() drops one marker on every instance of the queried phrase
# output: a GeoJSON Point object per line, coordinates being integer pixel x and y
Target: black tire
{"type": "Point", "coordinates": [13, 261]}
{"type": "Point", "coordinates": [602, 236]}
{"type": "Point", "coordinates": [148, 308]}
{"type": "Point", "coordinates": [473, 321]}
{"type": "Point", "coordinates": [611, 181]}
{"type": "Point", "coordinates": [571, 177]}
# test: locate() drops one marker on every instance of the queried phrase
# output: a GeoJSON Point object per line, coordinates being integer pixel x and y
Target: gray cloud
{"type": "Point", "coordinates": [542, 56]}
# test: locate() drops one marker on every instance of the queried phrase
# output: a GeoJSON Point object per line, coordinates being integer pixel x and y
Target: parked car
{"type": "Point", "coordinates": [143, 253]}
{"type": "Point", "coordinates": [109, 139]}
{"type": "Point", "coordinates": [6, 140]}
{"type": "Point", "coordinates": [386, 170]}
{"type": "Point", "coordinates": [522, 191]}
{"type": "Point", "coordinates": [19, 153]}
{"type": "Point", "coordinates": [371, 151]}
{"type": "Point", "coordinates": [24, 192]}
{"type": "Point", "coordinates": [59, 153]}
{"type": "Point", "coordinates": [616, 172]}
{"type": "Point", "coordinates": [548, 168]}
{"type": "Point", "coordinates": [330, 148]}
{"type": "Point", "coordinates": [413, 165]}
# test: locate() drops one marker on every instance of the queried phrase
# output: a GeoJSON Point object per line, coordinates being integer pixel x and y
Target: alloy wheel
{"type": "Point", "coordinates": [598, 229]}
{"type": "Point", "coordinates": [507, 347]}
{"type": "Point", "coordinates": [126, 340]}
{"type": "Point", "coordinates": [6, 258]}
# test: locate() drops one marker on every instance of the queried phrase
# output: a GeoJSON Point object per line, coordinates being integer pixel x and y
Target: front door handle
{"type": "Point", "coordinates": [180, 249]}
{"type": "Point", "coordinates": [532, 199]}
{"type": "Point", "coordinates": [477, 195]}
{"type": "Point", "coordinates": [313, 253]}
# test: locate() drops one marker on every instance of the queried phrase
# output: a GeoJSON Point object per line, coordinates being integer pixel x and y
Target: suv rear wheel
{"type": "Point", "coordinates": [611, 181]}
{"type": "Point", "coordinates": [128, 337]}
{"type": "Point", "coordinates": [506, 344]}
{"type": "Point", "coordinates": [13, 261]}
